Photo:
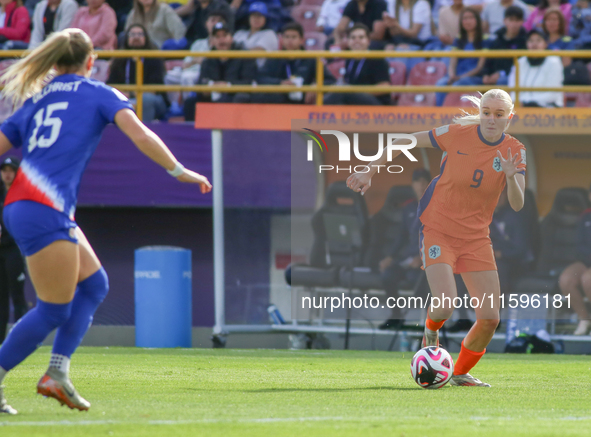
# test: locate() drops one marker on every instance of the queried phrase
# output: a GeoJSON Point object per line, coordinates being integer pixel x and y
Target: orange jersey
{"type": "Point", "coordinates": [460, 202]}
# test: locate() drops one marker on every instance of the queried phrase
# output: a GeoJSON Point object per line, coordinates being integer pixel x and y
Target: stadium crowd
{"type": "Point", "coordinates": [391, 25]}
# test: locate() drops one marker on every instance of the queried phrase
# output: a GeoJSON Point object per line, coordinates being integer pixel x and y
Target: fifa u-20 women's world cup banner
{"type": "Point", "coordinates": [374, 119]}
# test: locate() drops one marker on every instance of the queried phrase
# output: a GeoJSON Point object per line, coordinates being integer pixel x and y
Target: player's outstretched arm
{"type": "Point", "coordinates": [5, 145]}
{"type": "Point", "coordinates": [154, 148]}
{"type": "Point", "coordinates": [361, 182]}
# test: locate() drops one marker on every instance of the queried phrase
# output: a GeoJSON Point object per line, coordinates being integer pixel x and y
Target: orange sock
{"type": "Point", "coordinates": [467, 360]}
{"type": "Point", "coordinates": [433, 326]}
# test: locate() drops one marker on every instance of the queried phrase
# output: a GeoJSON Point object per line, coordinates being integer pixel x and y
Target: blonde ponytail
{"type": "Point", "coordinates": [496, 93]}
{"type": "Point", "coordinates": [68, 48]}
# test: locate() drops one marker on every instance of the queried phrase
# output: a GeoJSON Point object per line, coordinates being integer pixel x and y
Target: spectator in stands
{"type": "Point", "coordinates": [290, 71]}
{"type": "Point", "coordinates": [362, 72]}
{"type": "Point", "coordinates": [223, 71]}
{"type": "Point", "coordinates": [539, 72]}
{"type": "Point", "coordinates": [493, 16]}
{"type": "Point", "coordinates": [241, 8]}
{"type": "Point", "coordinates": [258, 36]}
{"type": "Point", "coordinates": [188, 74]}
{"type": "Point", "coordinates": [510, 37]}
{"type": "Point", "coordinates": [554, 25]}
{"type": "Point", "coordinates": [16, 30]}
{"type": "Point", "coordinates": [465, 71]}
{"type": "Point", "coordinates": [537, 16]}
{"type": "Point", "coordinates": [159, 19]}
{"type": "Point", "coordinates": [197, 12]}
{"type": "Point", "coordinates": [580, 23]}
{"type": "Point", "coordinates": [99, 21]}
{"type": "Point", "coordinates": [438, 5]}
{"type": "Point", "coordinates": [508, 231]}
{"type": "Point", "coordinates": [409, 22]}
{"type": "Point", "coordinates": [575, 280]}
{"type": "Point", "coordinates": [330, 15]}
{"type": "Point", "coordinates": [404, 259]}
{"type": "Point", "coordinates": [51, 16]}
{"type": "Point", "coordinates": [366, 12]}
{"type": "Point", "coordinates": [122, 9]}
{"type": "Point", "coordinates": [123, 72]}
{"type": "Point", "coordinates": [449, 22]}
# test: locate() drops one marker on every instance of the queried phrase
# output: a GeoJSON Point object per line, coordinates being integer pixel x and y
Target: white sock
{"type": "Point", "coordinates": [2, 374]}
{"type": "Point", "coordinates": [61, 363]}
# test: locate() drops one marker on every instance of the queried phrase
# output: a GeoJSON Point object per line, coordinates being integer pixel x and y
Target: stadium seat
{"type": "Point", "coordinates": [337, 69]}
{"type": "Point", "coordinates": [427, 73]}
{"type": "Point", "coordinates": [327, 258]}
{"type": "Point", "coordinates": [419, 99]}
{"type": "Point", "coordinates": [455, 100]}
{"type": "Point", "coordinates": [558, 242]}
{"type": "Point", "coordinates": [314, 40]}
{"type": "Point", "coordinates": [397, 72]}
{"type": "Point", "coordinates": [100, 71]}
{"type": "Point", "coordinates": [385, 225]}
{"type": "Point", "coordinates": [306, 16]}
{"type": "Point", "coordinates": [583, 100]}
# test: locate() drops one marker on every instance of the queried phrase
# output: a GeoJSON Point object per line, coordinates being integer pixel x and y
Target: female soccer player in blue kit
{"type": "Point", "coordinates": [58, 127]}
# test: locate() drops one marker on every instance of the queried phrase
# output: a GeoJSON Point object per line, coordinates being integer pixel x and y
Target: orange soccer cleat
{"type": "Point", "coordinates": [55, 384]}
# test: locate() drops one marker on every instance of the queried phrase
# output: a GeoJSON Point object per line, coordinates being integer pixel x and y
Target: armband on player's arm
{"type": "Point", "coordinates": [177, 170]}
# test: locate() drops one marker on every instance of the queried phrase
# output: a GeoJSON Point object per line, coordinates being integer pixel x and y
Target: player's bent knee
{"type": "Point", "coordinates": [54, 314]}
{"type": "Point", "coordinates": [96, 286]}
{"type": "Point", "coordinates": [489, 324]}
{"type": "Point", "coordinates": [586, 279]}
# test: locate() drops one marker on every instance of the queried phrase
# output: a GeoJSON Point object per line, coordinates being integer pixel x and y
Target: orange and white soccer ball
{"type": "Point", "coordinates": [432, 367]}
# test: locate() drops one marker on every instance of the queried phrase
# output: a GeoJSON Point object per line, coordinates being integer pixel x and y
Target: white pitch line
{"type": "Point", "coordinates": [259, 420]}
{"type": "Point", "coordinates": [170, 422]}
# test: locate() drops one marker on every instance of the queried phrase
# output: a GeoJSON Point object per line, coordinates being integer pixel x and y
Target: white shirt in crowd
{"type": "Point", "coordinates": [331, 13]}
{"type": "Point", "coordinates": [494, 14]}
{"type": "Point", "coordinates": [549, 74]}
{"type": "Point", "coordinates": [266, 38]}
{"type": "Point", "coordinates": [421, 14]}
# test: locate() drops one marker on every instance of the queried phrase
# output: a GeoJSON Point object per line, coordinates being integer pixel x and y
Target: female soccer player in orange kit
{"type": "Point", "coordinates": [455, 213]}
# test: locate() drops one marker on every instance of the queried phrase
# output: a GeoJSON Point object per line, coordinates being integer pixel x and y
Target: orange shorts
{"type": "Point", "coordinates": [463, 255]}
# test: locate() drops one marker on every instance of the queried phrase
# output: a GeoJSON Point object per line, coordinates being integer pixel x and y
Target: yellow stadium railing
{"type": "Point", "coordinates": [319, 88]}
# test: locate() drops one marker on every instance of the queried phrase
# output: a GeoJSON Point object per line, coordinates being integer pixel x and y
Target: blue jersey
{"type": "Point", "coordinates": [59, 129]}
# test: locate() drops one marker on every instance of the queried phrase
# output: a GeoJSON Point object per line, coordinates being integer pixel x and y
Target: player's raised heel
{"type": "Point", "coordinates": [430, 338]}
{"type": "Point", "coordinates": [4, 407]}
{"type": "Point", "coordinates": [467, 380]}
{"type": "Point", "coordinates": [54, 385]}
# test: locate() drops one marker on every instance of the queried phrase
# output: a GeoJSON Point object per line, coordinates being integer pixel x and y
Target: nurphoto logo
{"type": "Point", "coordinates": [344, 144]}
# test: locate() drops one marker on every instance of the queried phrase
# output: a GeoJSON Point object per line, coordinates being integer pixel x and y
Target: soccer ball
{"type": "Point", "coordinates": [432, 367]}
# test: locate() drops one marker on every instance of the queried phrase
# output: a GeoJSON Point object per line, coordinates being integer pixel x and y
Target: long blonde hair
{"type": "Point", "coordinates": [496, 93]}
{"type": "Point", "coordinates": [68, 49]}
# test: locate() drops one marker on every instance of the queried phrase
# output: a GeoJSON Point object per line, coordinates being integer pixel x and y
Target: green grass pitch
{"type": "Point", "coordinates": [202, 392]}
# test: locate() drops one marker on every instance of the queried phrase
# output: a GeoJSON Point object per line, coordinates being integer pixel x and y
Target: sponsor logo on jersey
{"type": "Point", "coordinates": [523, 156]}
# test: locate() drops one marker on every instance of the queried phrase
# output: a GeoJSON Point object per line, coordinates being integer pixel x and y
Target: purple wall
{"type": "Point", "coordinates": [256, 185]}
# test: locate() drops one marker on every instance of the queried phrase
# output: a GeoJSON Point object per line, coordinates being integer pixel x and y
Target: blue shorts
{"type": "Point", "coordinates": [35, 226]}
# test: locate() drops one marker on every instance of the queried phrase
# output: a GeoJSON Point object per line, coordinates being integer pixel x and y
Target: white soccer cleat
{"type": "Point", "coordinates": [4, 407]}
{"type": "Point", "coordinates": [583, 327]}
{"type": "Point", "coordinates": [467, 380]}
{"type": "Point", "coordinates": [430, 338]}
